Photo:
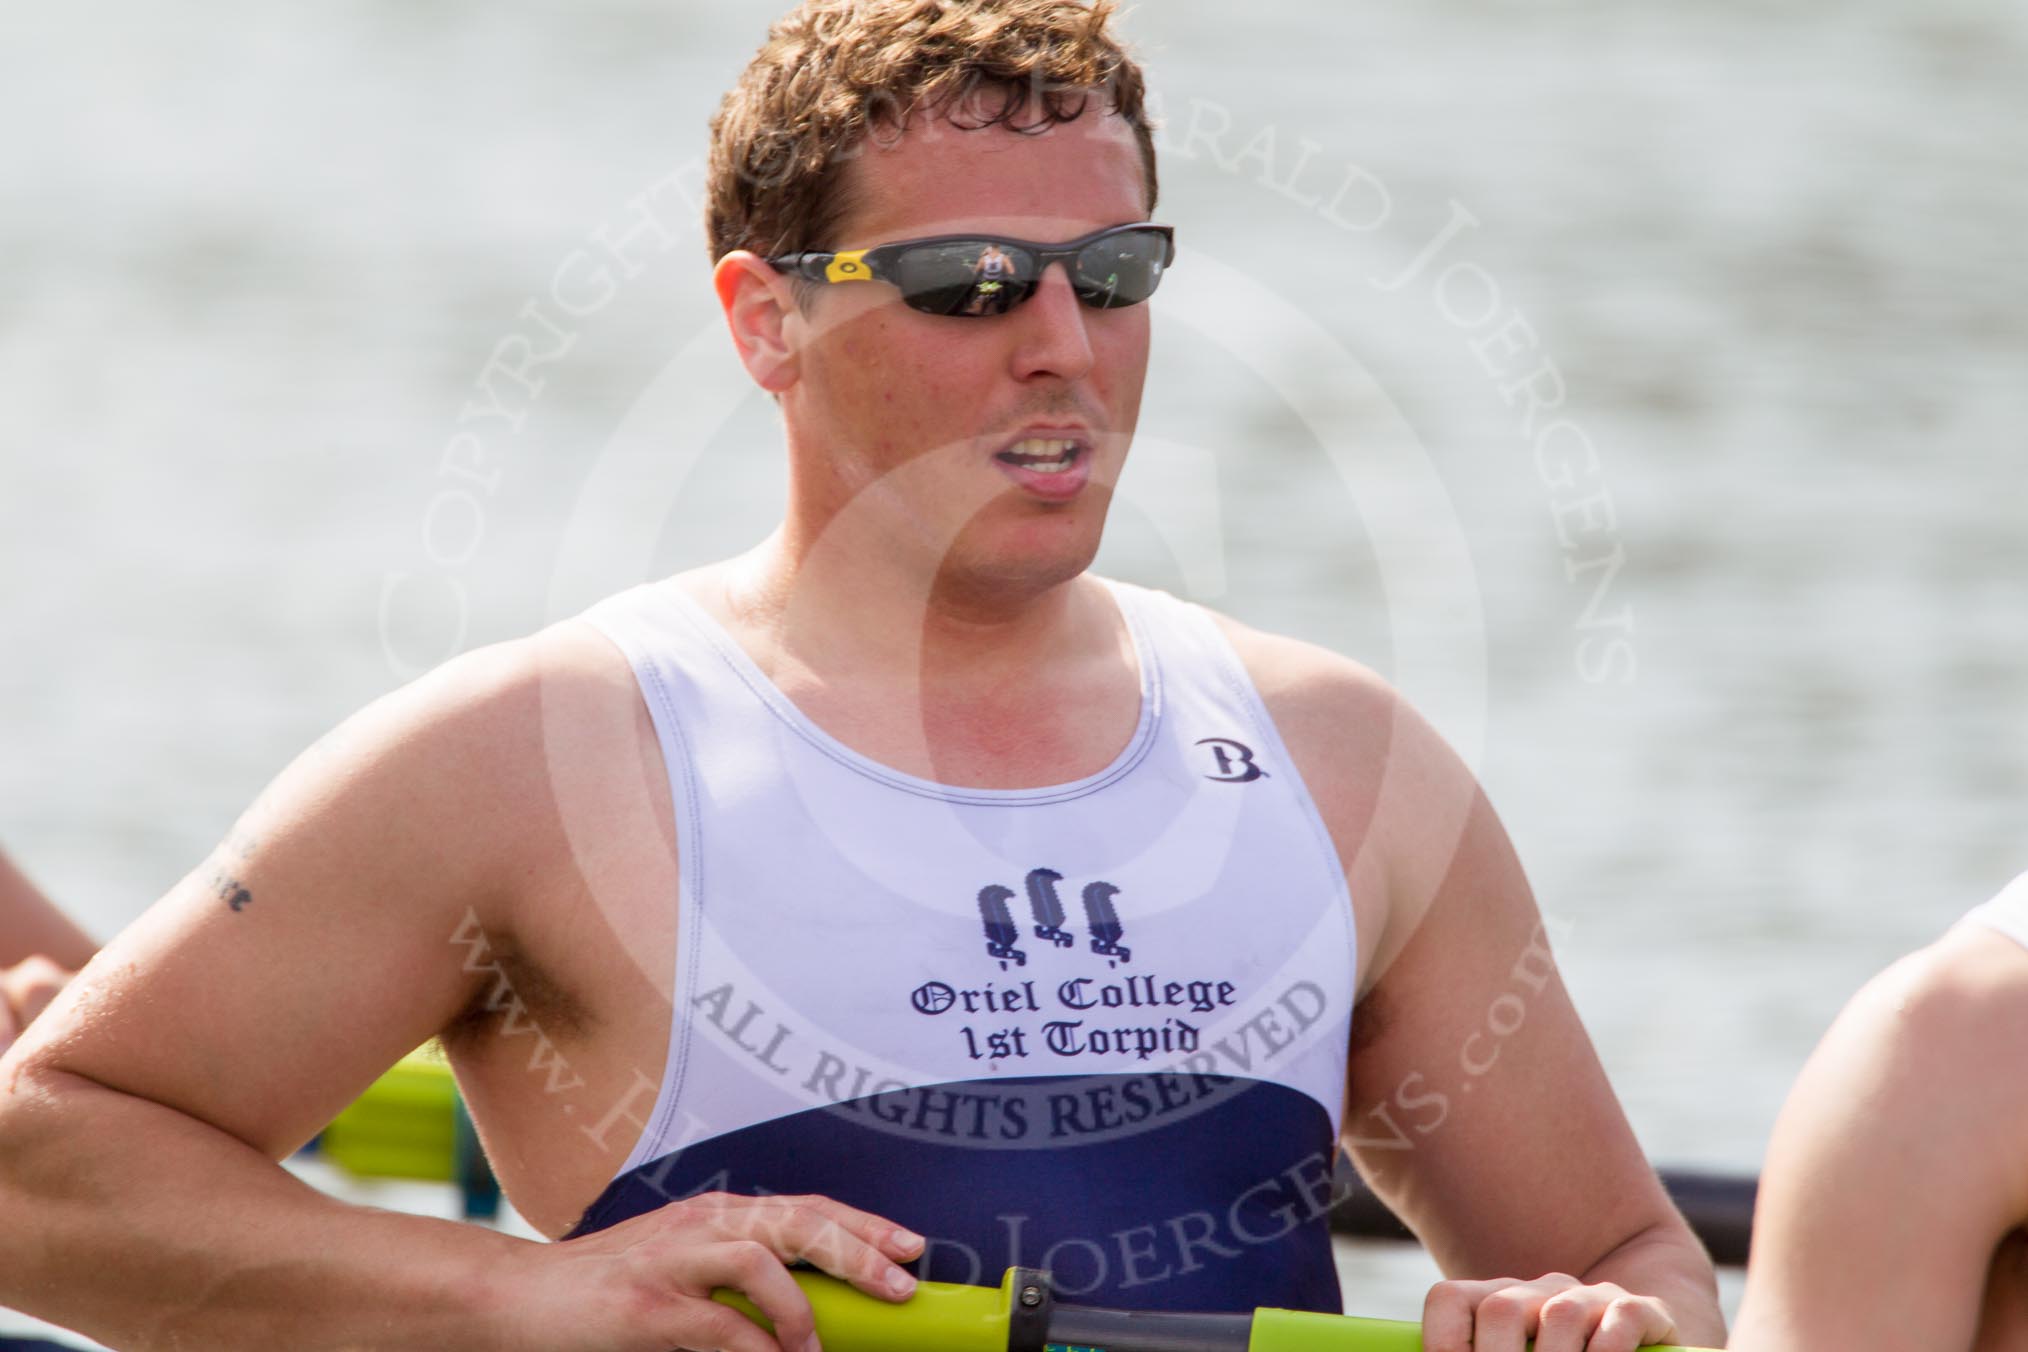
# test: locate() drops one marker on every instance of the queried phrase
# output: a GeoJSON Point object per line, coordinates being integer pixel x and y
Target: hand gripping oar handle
{"type": "Point", "coordinates": [1021, 1315]}
{"type": "Point", "coordinates": [939, 1317]}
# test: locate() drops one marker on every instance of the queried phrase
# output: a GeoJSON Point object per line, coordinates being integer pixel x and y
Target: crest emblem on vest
{"type": "Point", "coordinates": [1234, 761]}
{"type": "Point", "coordinates": [1003, 935]}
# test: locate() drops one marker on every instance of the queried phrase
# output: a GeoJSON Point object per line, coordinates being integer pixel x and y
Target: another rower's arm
{"type": "Point", "coordinates": [1897, 1169]}
{"type": "Point", "coordinates": [40, 947]}
{"type": "Point", "coordinates": [1476, 1106]}
{"type": "Point", "coordinates": [32, 926]}
{"type": "Point", "coordinates": [143, 1114]}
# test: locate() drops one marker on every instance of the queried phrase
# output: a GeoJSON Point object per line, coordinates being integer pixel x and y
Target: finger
{"type": "Point", "coordinates": [1630, 1322]}
{"type": "Point", "coordinates": [843, 1252]}
{"type": "Point", "coordinates": [820, 1231]}
{"type": "Point", "coordinates": [896, 1241]}
{"type": "Point", "coordinates": [32, 984]}
{"type": "Point", "coordinates": [1506, 1318]}
{"type": "Point", "coordinates": [752, 1269]}
{"type": "Point", "coordinates": [1447, 1314]}
{"type": "Point", "coordinates": [1566, 1320]}
{"type": "Point", "coordinates": [10, 1027]}
{"type": "Point", "coordinates": [701, 1325]}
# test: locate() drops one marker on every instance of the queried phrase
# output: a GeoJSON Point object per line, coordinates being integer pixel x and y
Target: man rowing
{"type": "Point", "coordinates": [1893, 1210]}
{"type": "Point", "coordinates": [896, 873]}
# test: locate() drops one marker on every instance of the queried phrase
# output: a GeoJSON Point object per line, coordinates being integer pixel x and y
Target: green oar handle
{"type": "Point", "coordinates": [946, 1317]}
{"type": "Point", "coordinates": [939, 1317]}
{"type": "Point", "coordinates": [1308, 1331]}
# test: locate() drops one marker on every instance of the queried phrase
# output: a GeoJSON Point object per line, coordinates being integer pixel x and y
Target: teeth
{"type": "Point", "coordinates": [1043, 455]}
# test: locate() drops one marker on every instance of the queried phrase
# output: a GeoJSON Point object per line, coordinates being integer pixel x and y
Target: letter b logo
{"type": "Point", "coordinates": [1234, 761]}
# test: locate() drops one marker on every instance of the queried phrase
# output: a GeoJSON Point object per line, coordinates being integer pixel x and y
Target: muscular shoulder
{"type": "Point", "coordinates": [489, 711]}
{"type": "Point", "coordinates": [471, 754]}
{"type": "Point", "coordinates": [1910, 1106]}
{"type": "Point", "coordinates": [1941, 1034]}
{"type": "Point", "coordinates": [1392, 792]}
{"type": "Point", "coordinates": [1320, 693]}
{"type": "Point", "coordinates": [510, 681]}
{"type": "Point", "coordinates": [1357, 738]}
{"type": "Point", "coordinates": [1954, 1005]}
{"type": "Point", "coordinates": [532, 768]}
{"type": "Point", "coordinates": [1965, 995]}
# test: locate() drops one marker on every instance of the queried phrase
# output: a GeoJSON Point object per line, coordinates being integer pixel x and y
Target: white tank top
{"type": "Point", "coordinates": [1102, 1024]}
{"type": "Point", "coordinates": [2007, 913]}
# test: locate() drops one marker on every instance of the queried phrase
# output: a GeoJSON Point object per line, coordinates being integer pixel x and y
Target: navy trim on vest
{"type": "Point", "coordinates": [1179, 1195]}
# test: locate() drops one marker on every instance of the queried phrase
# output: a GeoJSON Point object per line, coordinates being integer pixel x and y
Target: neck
{"type": "Point", "coordinates": [852, 610]}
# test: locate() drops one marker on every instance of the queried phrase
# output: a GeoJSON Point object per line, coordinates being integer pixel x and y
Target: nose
{"type": "Point", "coordinates": [1052, 338]}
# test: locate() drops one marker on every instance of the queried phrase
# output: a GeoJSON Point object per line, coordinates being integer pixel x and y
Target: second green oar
{"type": "Point", "coordinates": [1022, 1315]}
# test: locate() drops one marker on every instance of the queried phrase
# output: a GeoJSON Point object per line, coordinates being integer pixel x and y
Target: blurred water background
{"type": "Point", "coordinates": [1748, 686]}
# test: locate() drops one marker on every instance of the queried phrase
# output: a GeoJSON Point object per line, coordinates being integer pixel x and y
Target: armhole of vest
{"type": "Point", "coordinates": [1240, 688]}
{"type": "Point", "coordinates": [2006, 913]}
{"type": "Point", "coordinates": [620, 620]}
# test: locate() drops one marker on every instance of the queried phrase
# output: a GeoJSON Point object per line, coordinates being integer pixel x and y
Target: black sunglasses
{"type": "Point", "coordinates": [977, 275]}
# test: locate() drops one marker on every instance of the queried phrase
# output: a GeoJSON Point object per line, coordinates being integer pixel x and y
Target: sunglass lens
{"type": "Point", "coordinates": [1122, 269]}
{"type": "Point", "coordinates": [964, 277]}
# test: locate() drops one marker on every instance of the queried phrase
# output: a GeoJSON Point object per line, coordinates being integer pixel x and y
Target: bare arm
{"type": "Point", "coordinates": [32, 926]}
{"type": "Point", "coordinates": [1521, 1164]}
{"type": "Point", "coordinates": [1897, 1166]}
{"type": "Point", "coordinates": [39, 950]}
{"type": "Point", "coordinates": [212, 1244]}
{"type": "Point", "coordinates": [1476, 1106]}
{"type": "Point", "coordinates": [142, 1116]}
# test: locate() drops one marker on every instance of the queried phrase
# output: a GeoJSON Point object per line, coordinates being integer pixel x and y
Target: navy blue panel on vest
{"type": "Point", "coordinates": [1188, 1192]}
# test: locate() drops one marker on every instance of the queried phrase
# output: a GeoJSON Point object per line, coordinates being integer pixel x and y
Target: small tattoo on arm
{"type": "Point", "coordinates": [231, 892]}
{"type": "Point", "coordinates": [226, 880]}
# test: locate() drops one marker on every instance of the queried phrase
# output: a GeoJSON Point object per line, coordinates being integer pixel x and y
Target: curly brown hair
{"type": "Point", "coordinates": [834, 72]}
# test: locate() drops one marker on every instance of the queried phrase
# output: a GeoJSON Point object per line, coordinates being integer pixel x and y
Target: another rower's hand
{"type": "Point", "coordinates": [2003, 1310]}
{"type": "Point", "coordinates": [26, 989]}
{"type": "Point", "coordinates": [1559, 1312]}
{"type": "Point", "coordinates": [646, 1283]}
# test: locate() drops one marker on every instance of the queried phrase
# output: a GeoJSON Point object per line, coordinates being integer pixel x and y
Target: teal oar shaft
{"type": "Point", "coordinates": [1087, 1326]}
{"type": "Point", "coordinates": [946, 1317]}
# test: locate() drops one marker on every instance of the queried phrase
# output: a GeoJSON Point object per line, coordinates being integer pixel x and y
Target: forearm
{"type": "Point", "coordinates": [1666, 1262]}
{"type": "Point", "coordinates": [145, 1228]}
{"type": "Point", "coordinates": [31, 924]}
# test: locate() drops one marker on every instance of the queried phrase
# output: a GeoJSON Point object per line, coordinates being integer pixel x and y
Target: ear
{"type": "Point", "coordinates": [757, 302]}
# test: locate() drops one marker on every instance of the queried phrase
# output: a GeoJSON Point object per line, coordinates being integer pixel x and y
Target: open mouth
{"type": "Point", "coordinates": [1048, 468]}
{"type": "Point", "coordinates": [1042, 455]}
